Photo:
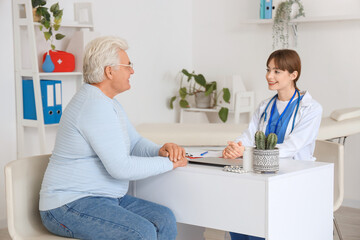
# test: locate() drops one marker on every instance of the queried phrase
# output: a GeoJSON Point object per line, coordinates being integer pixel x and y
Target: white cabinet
{"type": "Point", "coordinates": [27, 55]}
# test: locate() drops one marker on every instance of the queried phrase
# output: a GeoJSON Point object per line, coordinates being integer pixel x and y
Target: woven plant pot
{"type": "Point", "coordinates": [266, 161]}
{"type": "Point", "coordinates": [36, 18]}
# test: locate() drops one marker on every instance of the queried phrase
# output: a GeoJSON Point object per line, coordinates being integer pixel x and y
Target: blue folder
{"type": "Point", "coordinates": [51, 100]}
{"type": "Point", "coordinates": [268, 9]}
{"type": "Point", "coordinates": [262, 9]}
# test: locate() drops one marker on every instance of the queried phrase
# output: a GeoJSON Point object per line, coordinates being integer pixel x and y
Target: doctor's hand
{"type": "Point", "coordinates": [173, 151]}
{"type": "Point", "coordinates": [233, 150]}
{"type": "Point", "coordinates": [180, 163]}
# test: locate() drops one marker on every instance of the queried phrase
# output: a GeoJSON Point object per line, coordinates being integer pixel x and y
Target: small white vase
{"type": "Point", "coordinates": [202, 101]}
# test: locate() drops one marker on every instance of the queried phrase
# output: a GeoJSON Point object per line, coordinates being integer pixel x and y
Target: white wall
{"type": "Point", "coordinates": [222, 46]}
{"type": "Point", "coordinates": [7, 100]}
{"type": "Point", "coordinates": [159, 35]}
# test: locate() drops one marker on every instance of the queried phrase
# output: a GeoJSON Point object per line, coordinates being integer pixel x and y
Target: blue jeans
{"type": "Point", "coordinates": [239, 236]}
{"type": "Point", "coordinates": [106, 218]}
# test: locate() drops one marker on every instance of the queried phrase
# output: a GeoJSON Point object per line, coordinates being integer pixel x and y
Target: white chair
{"type": "Point", "coordinates": [331, 152]}
{"type": "Point", "coordinates": [23, 179]}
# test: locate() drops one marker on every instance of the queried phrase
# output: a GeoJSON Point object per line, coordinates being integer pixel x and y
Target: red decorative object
{"type": "Point", "coordinates": [63, 61]}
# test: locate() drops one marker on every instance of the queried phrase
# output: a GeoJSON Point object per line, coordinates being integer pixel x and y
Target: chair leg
{"type": "Point", "coordinates": [337, 229]}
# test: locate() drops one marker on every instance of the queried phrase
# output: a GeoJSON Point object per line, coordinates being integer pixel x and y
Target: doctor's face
{"type": "Point", "coordinates": [279, 80]}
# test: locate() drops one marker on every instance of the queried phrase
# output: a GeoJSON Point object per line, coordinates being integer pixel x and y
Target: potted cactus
{"type": "Point", "coordinates": [266, 155]}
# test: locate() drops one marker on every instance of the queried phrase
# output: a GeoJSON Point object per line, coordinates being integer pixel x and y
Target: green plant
{"type": "Point", "coordinates": [281, 22]}
{"type": "Point", "coordinates": [271, 141]}
{"type": "Point", "coordinates": [196, 83]}
{"type": "Point", "coordinates": [50, 21]}
{"type": "Point", "coordinates": [265, 143]}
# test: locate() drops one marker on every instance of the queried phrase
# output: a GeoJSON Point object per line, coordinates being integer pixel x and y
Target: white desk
{"type": "Point", "coordinates": [295, 204]}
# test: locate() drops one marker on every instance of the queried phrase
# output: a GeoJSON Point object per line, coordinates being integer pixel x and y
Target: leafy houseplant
{"type": "Point", "coordinates": [50, 21]}
{"type": "Point", "coordinates": [281, 21]}
{"type": "Point", "coordinates": [196, 84]}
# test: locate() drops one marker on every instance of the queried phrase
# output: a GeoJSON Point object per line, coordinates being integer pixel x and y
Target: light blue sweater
{"type": "Point", "coordinates": [97, 151]}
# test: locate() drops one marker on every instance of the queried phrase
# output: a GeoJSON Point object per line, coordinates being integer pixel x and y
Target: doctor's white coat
{"type": "Point", "coordinates": [299, 144]}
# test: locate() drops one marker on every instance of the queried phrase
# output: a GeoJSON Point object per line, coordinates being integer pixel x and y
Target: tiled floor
{"type": "Point", "coordinates": [348, 219]}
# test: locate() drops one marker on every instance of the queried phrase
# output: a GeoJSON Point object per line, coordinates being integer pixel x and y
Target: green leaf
{"type": "Point", "coordinates": [200, 79]}
{"type": "Point", "coordinates": [185, 72]}
{"type": "Point", "coordinates": [226, 95]}
{"type": "Point", "coordinates": [172, 102]}
{"type": "Point", "coordinates": [57, 20]}
{"type": "Point", "coordinates": [56, 27]}
{"type": "Point", "coordinates": [210, 89]}
{"type": "Point", "coordinates": [38, 11]}
{"type": "Point", "coordinates": [43, 11]}
{"type": "Point", "coordinates": [45, 23]}
{"type": "Point", "coordinates": [183, 92]}
{"type": "Point", "coordinates": [36, 3]}
{"type": "Point", "coordinates": [59, 36]}
{"type": "Point", "coordinates": [54, 7]}
{"type": "Point", "coordinates": [184, 103]}
{"type": "Point", "coordinates": [52, 46]}
{"type": "Point", "coordinates": [58, 14]}
{"type": "Point", "coordinates": [223, 114]}
{"type": "Point", "coordinates": [41, 27]}
{"type": "Point", "coordinates": [47, 35]}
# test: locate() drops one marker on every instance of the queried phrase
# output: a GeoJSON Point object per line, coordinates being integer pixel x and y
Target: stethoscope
{"type": "Point", "coordinates": [264, 114]}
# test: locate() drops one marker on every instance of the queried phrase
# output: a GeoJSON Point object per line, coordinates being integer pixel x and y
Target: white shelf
{"type": "Point", "coordinates": [307, 19]}
{"type": "Point", "coordinates": [70, 25]}
{"type": "Point", "coordinates": [42, 74]}
{"type": "Point", "coordinates": [29, 73]}
{"type": "Point", "coordinates": [215, 110]}
{"type": "Point", "coordinates": [34, 123]}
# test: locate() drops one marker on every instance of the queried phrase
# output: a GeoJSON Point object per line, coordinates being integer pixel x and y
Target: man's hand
{"type": "Point", "coordinates": [233, 150]}
{"type": "Point", "coordinates": [173, 151]}
{"type": "Point", "coordinates": [180, 163]}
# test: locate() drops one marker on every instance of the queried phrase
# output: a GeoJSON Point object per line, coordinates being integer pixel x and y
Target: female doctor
{"type": "Point", "coordinates": [292, 114]}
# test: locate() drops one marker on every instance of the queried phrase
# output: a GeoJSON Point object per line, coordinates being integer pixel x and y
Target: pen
{"type": "Point", "coordinates": [202, 154]}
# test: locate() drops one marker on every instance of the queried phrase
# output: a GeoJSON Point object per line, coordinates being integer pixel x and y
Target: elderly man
{"type": "Point", "coordinates": [97, 152]}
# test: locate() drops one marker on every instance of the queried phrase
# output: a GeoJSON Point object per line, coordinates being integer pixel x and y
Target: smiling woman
{"type": "Point", "coordinates": [294, 116]}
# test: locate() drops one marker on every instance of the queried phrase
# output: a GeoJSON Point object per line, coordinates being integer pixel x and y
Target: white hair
{"type": "Point", "coordinates": [99, 53]}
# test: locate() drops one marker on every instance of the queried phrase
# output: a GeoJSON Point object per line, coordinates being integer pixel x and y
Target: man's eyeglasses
{"type": "Point", "coordinates": [131, 65]}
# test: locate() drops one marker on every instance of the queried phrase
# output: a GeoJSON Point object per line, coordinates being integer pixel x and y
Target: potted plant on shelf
{"type": "Point", "coordinates": [49, 24]}
{"type": "Point", "coordinates": [266, 156]}
{"type": "Point", "coordinates": [285, 11]}
{"type": "Point", "coordinates": [206, 94]}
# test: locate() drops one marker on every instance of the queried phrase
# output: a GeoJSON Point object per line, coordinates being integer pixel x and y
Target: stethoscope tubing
{"type": "Point", "coordinates": [264, 114]}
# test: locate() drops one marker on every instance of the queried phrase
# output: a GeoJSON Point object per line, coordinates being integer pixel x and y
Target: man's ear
{"type": "Point", "coordinates": [294, 75]}
{"type": "Point", "coordinates": [108, 72]}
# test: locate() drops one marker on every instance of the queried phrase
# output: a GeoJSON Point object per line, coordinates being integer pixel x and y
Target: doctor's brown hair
{"type": "Point", "coordinates": [286, 59]}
